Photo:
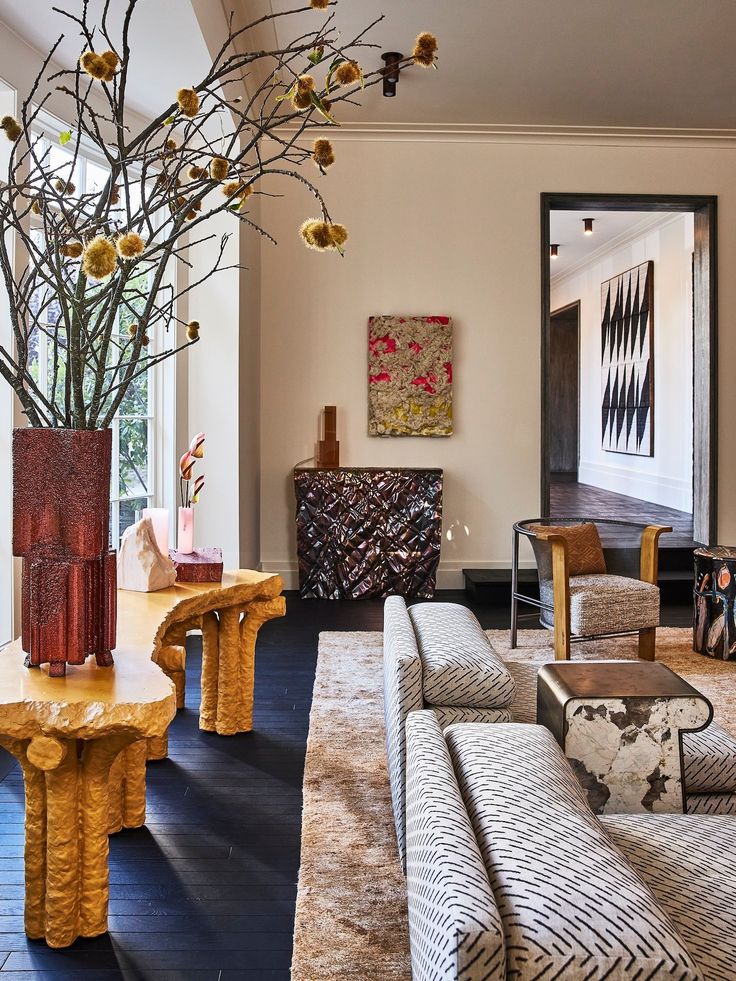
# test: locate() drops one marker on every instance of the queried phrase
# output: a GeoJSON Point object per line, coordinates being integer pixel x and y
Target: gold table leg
{"type": "Point", "coordinates": [127, 787]}
{"type": "Point", "coordinates": [228, 664]}
{"type": "Point", "coordinates": [210, 672]}
{"type": "Point", "coordinates": [66, 841]}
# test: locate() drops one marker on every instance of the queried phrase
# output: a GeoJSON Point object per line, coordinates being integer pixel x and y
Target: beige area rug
{"type": "Point", "coordinates": [351, 903]}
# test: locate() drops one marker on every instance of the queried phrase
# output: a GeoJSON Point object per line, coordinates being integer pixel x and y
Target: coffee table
{"type": "Point", "coordinates": [620, 724]}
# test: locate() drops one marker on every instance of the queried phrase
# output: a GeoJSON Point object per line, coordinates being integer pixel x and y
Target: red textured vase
{"type": "Point", "coordinates": [61, 522]}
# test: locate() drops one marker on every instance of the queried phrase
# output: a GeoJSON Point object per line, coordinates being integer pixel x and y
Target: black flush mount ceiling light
{"type": "Point", "coordinates": [391, 72]}
{"type": "Point", "coordinates": [588, 226]}
{"type": "Point", "coordinates": [554, 251]}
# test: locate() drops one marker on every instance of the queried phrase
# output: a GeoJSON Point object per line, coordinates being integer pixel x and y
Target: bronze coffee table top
{"type": "Point", "coordinates": [560, 682]}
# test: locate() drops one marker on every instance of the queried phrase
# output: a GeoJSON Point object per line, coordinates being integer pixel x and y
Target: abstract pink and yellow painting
{"type": "Point", "coordinates": [409, 376]}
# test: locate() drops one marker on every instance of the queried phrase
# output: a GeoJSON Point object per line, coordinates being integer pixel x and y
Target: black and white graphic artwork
{"type": "Point", "coordinates": [627, 361]}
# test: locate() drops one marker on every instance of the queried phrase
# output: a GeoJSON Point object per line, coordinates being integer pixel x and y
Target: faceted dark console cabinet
{"type": "Point", "coordinates": [61, 520]}
{"type": "Point", "coordinates": [368, 532]}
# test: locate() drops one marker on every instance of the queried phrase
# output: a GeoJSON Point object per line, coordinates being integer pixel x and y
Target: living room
{"type": "Point", "coordinates": [291, 668]}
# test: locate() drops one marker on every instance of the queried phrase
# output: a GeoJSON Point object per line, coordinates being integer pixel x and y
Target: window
{"type": "Point", "coordinates": [138, 477]}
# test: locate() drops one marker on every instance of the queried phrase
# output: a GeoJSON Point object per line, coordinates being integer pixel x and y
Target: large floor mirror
{"type": "Point", "coordinates": [629, 360]}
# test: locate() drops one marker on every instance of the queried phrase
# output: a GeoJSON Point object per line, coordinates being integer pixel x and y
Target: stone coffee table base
{"type": "Point", "coordinates": [624, 740]}
{"type": "Point", "coordinates": [626, 751]}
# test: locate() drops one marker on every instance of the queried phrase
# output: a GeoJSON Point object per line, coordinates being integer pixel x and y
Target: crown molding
{"type": "Point", "coordinates": [656, 220]}
{"type": "Point", "coordinates": [513, 133]}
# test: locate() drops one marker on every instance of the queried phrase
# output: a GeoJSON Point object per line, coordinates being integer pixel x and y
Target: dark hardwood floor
{"type": "Point", "coordinates": [568, 498]}
{"type": "Point", "coordinates": [206, 890]}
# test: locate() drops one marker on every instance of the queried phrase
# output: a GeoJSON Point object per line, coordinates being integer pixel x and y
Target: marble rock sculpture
{"type": "Point", "coordinates": [142, 566]}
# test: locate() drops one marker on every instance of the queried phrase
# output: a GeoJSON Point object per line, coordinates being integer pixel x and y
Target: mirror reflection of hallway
{"type": "Point", "coordinates": [619, 441]}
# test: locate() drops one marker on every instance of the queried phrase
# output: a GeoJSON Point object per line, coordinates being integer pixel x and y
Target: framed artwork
{"type": "Point", "coordinates": [627, 362]}
{"type": "Point", "coordinates": [409, 376]}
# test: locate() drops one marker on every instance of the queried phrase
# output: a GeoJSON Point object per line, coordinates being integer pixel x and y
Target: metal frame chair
{"type": "Point", "coordinates": [551, 555]}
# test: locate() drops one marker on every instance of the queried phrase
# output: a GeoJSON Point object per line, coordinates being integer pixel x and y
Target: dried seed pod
{"type": "Point", "coordinates": [72, 250]}
{"type": "Point", "coordinates": [11, 128]}
{"type": "Point", "coordinates": [99, 259]}
{"type": "Point", "coordinates": [219, 168]}
{"type": "Point", "coordinates": [130, 245]}
{"type": "Point", "coordinates": [188, 102]}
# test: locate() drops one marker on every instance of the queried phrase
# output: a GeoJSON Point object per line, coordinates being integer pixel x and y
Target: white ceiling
{"type": "Point", "coordinates": [658, 63]}
{"type": "Point", "coordinates": [167, 48]}
{"type": "Point", "coordinates": [610, 228]}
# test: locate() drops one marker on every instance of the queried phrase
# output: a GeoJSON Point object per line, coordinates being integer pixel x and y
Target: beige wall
{"type": "Point", "coordinates": [447, 227]}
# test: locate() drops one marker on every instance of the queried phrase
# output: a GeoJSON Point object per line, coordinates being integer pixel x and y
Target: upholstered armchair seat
{"type": "Point", "coordinates": [608, 604]}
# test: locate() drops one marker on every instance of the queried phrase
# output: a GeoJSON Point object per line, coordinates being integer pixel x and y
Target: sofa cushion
{"type": "Point", "coordinates": [710, 760]}
{"type": "Point", "coordinates": [454, 924]}
{"type": "Point", "coordinates": [607, 604]}
{"type": "Point", "coordinates": [688, 863]}
{"type": "Point", "coordinates": [459, 666]}
{"type": "Point", "coordinates": [572, 906]}
{"type": "Point", "coordinates": [584, 549]}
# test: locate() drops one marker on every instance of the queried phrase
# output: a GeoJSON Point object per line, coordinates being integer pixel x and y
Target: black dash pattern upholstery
{"type": "Point", "coordinates": [688, 864]}
{"type": "Point", "coordinates": [711, 803]}
{"type": "Point", "coordinates": [459, 666]}
{"type": "Point", "coordinates": [454, 924]}
{"type": "Point", "coordinates": [452, 714]}
{"type": "Point", "coordinates": [402, 693]}
{"type": "Point", "coordinates": [709, 758]}
{"type": "Point", "coordinates": [571, 905]}
{"type": "Point", "coordinates": [403, 680]}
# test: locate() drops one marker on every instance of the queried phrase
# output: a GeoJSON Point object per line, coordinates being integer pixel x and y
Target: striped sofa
{"type": "Point", "coordinates": [436, 656]}
{"type": "Point", "coordinates": [510, 875]}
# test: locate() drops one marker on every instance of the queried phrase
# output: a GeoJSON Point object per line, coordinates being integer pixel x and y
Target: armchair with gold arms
{"type": "Point", "coordinates": [597, 579]}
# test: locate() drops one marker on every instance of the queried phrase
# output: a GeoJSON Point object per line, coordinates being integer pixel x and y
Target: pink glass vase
{"type": "Point", "coordinates": [185, 531]}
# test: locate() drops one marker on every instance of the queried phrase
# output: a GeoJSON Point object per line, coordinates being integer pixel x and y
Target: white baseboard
{"type": "Point", "coordinates": [449, 574]}
{"type": "Point", "coordinates": [669, 492]}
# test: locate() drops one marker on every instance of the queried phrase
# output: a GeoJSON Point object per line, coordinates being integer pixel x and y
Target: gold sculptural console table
{"type": "Point", "coordinates": [82, 741]}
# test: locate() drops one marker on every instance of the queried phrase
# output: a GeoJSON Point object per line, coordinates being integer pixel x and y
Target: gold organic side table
{"type": "Point", "coordinates": [66, 733]}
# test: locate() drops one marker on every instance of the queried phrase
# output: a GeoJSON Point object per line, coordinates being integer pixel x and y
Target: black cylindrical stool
{"type": "Point", "coordinates": [714, 629]}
